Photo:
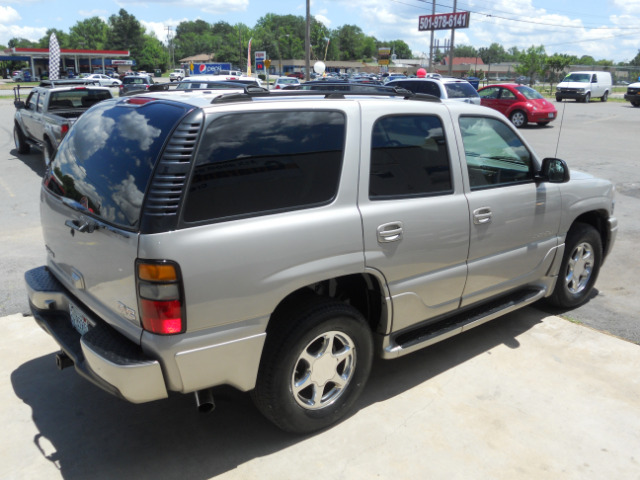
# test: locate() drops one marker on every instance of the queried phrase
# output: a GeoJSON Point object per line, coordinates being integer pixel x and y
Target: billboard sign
{"type": "Point", "coordinates": [383, 55]}
{"type": "Point", "coordinates": [443, 21]}
{"type": "Point", "coordinates": [208, 68]}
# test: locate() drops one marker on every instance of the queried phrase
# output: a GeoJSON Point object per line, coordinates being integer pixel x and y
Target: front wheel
{"type": "Point", "coordinates": [580, 267]}
{"type": "Point", "coordinates": [518, 118]}
{"type": "Point", "coordinates": [635, 104]}
{"type": "Point", "coordinates": [20, 141]}
{"type": "Point", "coordinates": [315, 363]}
{"type": "Point", "coordinates": [587, 98]}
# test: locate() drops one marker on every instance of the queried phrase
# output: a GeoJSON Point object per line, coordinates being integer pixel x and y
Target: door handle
{"type": "Point", "coordinates": [389, 232]}
{"type": "Point", "coordinates": [482, 216]}
{"type": "Point", "coordinates": [82, 227]}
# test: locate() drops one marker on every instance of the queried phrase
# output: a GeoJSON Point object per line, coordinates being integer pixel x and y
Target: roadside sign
{"type": "Point", "coordinates": [443, 21]}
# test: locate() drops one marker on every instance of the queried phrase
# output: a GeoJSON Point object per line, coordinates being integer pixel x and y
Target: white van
{"type": "Point", "coordinates": [584, 85]}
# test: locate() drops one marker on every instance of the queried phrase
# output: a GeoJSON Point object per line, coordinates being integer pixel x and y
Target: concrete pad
{"type": "Point", "coordinates": [526, 396]}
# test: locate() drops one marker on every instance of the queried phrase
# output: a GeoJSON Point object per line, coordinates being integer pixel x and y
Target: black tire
{"type": "Point", "coordinates": [580, 267]}
{"type": "Point", "coordinates": [587, 98]}
{"type": "Point", "coordinates": [48, 152]}
{"type": "Point", "coordinates": [558, 99]}
{"type": "Point", "coordinates": [518, 118]}
{"type": "Point", "coordinates": [20, 141]}
{"type": "Point", "coordinates": [288, 391]}
{"type": "Point", "coordinates": [635, 104]}
{"type": "Point", "coordinates": [604, 97]}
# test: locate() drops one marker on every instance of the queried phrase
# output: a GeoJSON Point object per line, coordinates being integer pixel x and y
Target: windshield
{"type": "Point", "coordinates": [578, 77]}
{"type": "Point", "coordinates": [529, 93]}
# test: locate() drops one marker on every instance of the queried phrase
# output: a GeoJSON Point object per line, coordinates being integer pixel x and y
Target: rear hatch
{"type": "Point", "coordinates": [92, 201]}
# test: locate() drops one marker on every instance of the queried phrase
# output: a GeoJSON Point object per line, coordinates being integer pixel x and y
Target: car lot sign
{"type": "Point", "coordinates": [443, 21]}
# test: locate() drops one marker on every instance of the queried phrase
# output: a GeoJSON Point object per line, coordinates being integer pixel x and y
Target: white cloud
{"type": "Point", "coordinates": [8, 15]}
{"type": "Point", "coordinates": [628, 6]}
{"type": "Point", "coordinates": [93, 13]}
{"type": "Point", "coordinates": [207, 6]}
{"type": "Point", "coordinates": [159, 29]}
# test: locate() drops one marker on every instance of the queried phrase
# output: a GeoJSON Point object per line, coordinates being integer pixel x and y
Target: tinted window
{"type": "Point", "coordinates": [460, 90]}
{"type": "Point", "coordinates": [495, 155]}
{"type": "Point", "coordinates": [104, 163]}
{"type": "Point", "coordinates": [257, 163]}
{"type": "Point", "coordinates": [409, 158]}
{"type": "Point", "coordinates": [421, 86]}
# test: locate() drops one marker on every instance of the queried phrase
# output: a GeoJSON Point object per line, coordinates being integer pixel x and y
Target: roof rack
{"type": "Point", "coordinates": [67, 82]}
{"type": "Point", "coordinates": [251, 92]}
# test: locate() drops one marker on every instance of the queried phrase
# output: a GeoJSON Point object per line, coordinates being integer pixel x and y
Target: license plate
{"type": "Point", "coordinates": [78, 319]}
{"type": "Point", "coordinates": [551, 115]}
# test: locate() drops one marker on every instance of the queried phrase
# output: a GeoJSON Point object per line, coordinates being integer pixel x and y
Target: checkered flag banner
{"type": "Point", "coordinates": [54, 57]}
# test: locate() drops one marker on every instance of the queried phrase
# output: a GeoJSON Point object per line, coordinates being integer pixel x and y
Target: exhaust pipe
{"type": "Point", "coordinates": [63, 360]}
{"type": "Point", "coordinates": [204, 401]}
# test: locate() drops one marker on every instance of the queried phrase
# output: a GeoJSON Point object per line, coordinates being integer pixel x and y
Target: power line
{"type": "Point", "coordinates": [530, 22]}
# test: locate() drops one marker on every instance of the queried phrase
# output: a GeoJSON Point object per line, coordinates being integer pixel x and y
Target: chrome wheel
{"type": "Point", "coordinates": [323, 370]}
{"type": "Point", "coordinates": [579, 268]}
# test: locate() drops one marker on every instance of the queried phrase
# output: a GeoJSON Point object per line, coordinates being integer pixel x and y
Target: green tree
{"type": "Point", "coordinates": [153, 55]}
{"type": "Point", "coordinates": [63, 39]}
{"type": "Point", "coordinates": [587, 60]}
{"type": "Point", "coordinates": [89, 34]}
{"type": "Point", "coordinates": [465, 51]}
{"type": "Point", "coordinates": [125, 33]}
{"type": "Point", "coordinates": [22, 43]}
{"type": "Point", "coordinates": [532, 63]}
{"type": "Point", "coordinates": [557, 64]}
{"type": "Point", "coordinates": [494, 54]}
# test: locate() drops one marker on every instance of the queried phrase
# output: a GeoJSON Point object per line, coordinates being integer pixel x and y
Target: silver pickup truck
{"type": "Point", "coordinates": [49, 111]}
{"type": "Point", "coordinates": [277, 242]}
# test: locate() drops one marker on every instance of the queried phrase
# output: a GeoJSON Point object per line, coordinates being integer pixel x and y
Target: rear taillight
{"type": "Point", "coordinates": [64, 129]}
{"type": "Point", "coordinates": [161, 297]}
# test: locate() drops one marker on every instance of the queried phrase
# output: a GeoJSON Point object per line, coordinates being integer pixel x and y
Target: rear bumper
{"type": "Point", "coordinates": [102, 355]}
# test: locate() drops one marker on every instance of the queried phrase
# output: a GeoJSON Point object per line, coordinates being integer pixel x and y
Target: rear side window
{"type": "Point", "coordinates": [257, 163]}
{"type": "Point", "coordinates": [409, 158]}
{"type": "Point", "coordinates": [460, 90]}
{"type": "Point", "coordinates": [105, 162]}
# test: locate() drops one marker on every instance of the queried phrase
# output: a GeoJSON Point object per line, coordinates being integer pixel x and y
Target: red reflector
{"type": "Point", "coordinates": [64, 129]}
{"type": "Point", "coordinates": [163, 318]}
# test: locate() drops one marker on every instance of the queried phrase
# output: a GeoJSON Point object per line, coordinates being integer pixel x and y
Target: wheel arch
{"type": "Point", "coordinates": [363, 291]}
{"type": "Point", "coordinates": [598, 219]}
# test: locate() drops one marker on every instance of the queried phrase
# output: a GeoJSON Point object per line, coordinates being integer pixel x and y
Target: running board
{"type": "Point", "coordinates": [410, 340]}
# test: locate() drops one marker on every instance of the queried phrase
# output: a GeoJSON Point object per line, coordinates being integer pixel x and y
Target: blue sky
{"type": "Point", "coordinates": [604, 29]}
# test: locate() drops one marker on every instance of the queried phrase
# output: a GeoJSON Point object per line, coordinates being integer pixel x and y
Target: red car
{"type": "Point", "coordinates": [298, 75]}
{"type": "Point", "coordinates": [519, 103]}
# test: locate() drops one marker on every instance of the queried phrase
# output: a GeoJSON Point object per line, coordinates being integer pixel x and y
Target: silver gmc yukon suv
{"type": "Point", "coordinates": [277, 242]}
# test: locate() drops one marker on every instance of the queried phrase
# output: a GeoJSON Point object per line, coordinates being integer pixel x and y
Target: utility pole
{"type": "Point", "coordinates": [433, 12]}
{"type": "Point", "coordinates": [170, 47]}
{"type": "Point", "coordinates": [307, 43]}
{"type": "Point", "coordinates": [451, 47]}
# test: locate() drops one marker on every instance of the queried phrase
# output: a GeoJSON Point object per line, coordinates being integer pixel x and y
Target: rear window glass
{"type": "Point", "coordinates": [265, 162]}
{"type": "Point", "coordinates": [81, 97]}
{"type": "Point", "coordinates": [105, 162]}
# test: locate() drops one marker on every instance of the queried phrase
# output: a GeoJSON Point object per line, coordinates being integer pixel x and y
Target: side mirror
{"type": "Point", "coordinates": [554, 170]}
{"type": "Point", "coordinates": [19, 104]}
